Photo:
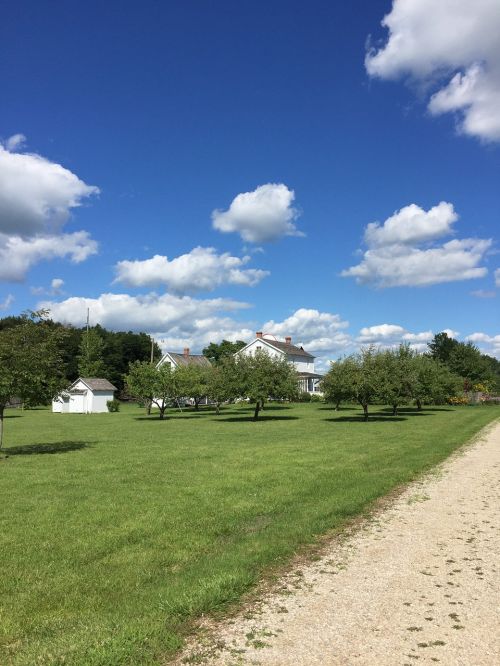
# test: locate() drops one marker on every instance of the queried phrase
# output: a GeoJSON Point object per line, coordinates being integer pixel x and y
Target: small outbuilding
{"type": "Point", "coordinates": [87, 395]}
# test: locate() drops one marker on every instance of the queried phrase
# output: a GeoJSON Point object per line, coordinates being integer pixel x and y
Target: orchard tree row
{"type": "Point", "coordinates": [393, 377]}
{"type": "Point", "coordinates": [258, 378]}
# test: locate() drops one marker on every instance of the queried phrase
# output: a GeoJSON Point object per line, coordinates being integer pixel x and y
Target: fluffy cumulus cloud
{"type": "Point", "coordinates": [175, 321]}
{"type": "Point", "coordinates": [497, 277]}
{"type": "Point", "coordinates": [202, 269]}
{"type": "Point", "coordinates": [36, 200]}
{"type": "Point", "coordinates": [261, 216]}
{"type": "Point", "coordinates": [18, 255]}
{"type": "Point", "coordinates": [317, 331]}
{"type": "Point", "coordinates": [390, 335]}
{"type": "Point", "coordinates": [489, 344]}
{"type": "Point", "coordinates": [402, 251]}
{"type": "Point", "coordinates": [451, 46]}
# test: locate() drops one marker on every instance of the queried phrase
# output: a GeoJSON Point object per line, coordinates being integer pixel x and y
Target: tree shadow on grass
{"type": "Point", "coordinates": [47, 447]}
{"type": "Point", "coordinates": [250, 419]}
{"type": "Point", "coordinates": [372, 418]}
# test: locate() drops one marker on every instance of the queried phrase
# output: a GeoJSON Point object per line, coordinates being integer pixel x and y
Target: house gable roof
{"type": "Point", "coordinates": [95, 384]}
{"type": "Point", "coordinates": [282, 347]}
{"type": "Point", "coordinates": [288, 348]}
{"type": "Point", "coordinates": [191, 359]}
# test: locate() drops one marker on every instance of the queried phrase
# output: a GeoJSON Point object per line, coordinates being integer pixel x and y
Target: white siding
{"type": "Point", "coordinates": [57, 405]}
{"type": "Point", "coordinates": [99, 400]}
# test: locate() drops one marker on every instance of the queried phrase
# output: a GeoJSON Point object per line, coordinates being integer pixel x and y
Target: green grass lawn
{"type": "Point", "coordinates": [117, 529]}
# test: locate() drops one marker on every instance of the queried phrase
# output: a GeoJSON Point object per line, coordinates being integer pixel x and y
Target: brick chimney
{"type": "Point", "coordinates": [259, 334]}
{"type": "Point", "coordinates": [186, 352]}
{"type": "Point", "coordinates": [288, 340]}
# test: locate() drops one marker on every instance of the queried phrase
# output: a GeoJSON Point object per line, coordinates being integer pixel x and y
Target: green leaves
{"type": "Point", "coordinates": [31, 367]}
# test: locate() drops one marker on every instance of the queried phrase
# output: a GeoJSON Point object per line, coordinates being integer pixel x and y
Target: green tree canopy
{"type": "Point", "coordinates": [262, 377]}
{"type": "Point", "coordinates": [192, 381]}
{"type": "Point", "coordinates": [223, 381]}
{"type": "Point", "coordinates": [152, 385]}
{"type": "Point", "coordinates": [441, 346]}
{"type": "Point", "coordinates": [90, 357]}
{"type": "Point", "coordinates": [31, 366]}
{"type": "Point", "coordinates": [216, 352]}
{"type": "Point", "coordinates": [335, 385]}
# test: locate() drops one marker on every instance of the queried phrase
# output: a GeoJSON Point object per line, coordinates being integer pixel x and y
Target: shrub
{"type": "Point", "coordinates": [304, 397]}
{"type": "Point", "coordinates": [316, 398]}
{"type": "Point", "coordinates": [458, 400]}
{"type": "Point", "coordinates": [113, 405]}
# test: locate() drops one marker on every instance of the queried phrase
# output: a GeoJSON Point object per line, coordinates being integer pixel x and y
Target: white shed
{"type": "Point", "coordinates": [87, 395]}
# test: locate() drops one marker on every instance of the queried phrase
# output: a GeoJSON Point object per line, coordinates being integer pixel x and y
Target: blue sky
{"type": "Point", "coordinates": [142, 119]}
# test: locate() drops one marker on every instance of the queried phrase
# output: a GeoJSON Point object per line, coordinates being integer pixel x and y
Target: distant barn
{"type": "Point", "coordinates": [87, 395]}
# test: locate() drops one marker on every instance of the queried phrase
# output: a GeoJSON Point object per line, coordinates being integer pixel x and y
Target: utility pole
{"type": "Point", "coordinates": [88, 319]}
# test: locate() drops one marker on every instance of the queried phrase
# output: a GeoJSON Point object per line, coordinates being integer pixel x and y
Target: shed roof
{"type": "Point", "coordinates": [97, 384]}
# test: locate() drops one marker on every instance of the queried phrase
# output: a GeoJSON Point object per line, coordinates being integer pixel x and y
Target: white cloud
{"type": "Point", "coordinates": [453, 44]}
{"type": "Point", "coordinates": [18, 255]}
{"type": "Point", "coordinates": [317, 331]}
{"type": "Point", "coordinates": [497, 277]}
{"type": "Point", "coordinates": [394, 258]}
{"type": "Point", "coordinates": [178, 321]}
{"type": "Point", "coordinates": [450, 332]}
{"type": "Point", "coordinates": [202, 269]}
{"type": "Point", "coordinates": [36, 195]}
{"type": "Point", "coordinates": [15, 142]}
{"type": "Point", "coordinates": [412, 225]}
{"type": "Point", "coordinates": [7, 302]}
{"type": "Point", "coordinates": [381, 332]}
{"type": "Point", "coordinates": [36, 199]}
{"type": "Point", "coordinates": [57, 284]}
{"type": "Point", "coordinates": [54, 290]}
{"type": "Point", "coordinates": [264, 215]}
{"type": "Point", "coordinates": [392, 335]}
{"type": "Point", "coordinates": [489, 344]}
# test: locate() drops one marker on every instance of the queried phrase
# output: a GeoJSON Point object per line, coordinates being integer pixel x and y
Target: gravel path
{"type": "Point", "coordinates": [418, 584]}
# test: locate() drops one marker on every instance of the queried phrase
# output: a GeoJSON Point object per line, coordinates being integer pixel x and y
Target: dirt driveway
{"type": "Point", "coordinates": [419, 584]}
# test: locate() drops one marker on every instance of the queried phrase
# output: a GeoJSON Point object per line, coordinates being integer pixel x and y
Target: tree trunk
{"type": "Point", "coordinates": [419, 404]}
{"type": "Point", "coordinates": [337, 405]}
{"type": "Point", "coordinates": [2, 408]}
{"type": "Point", "coordinates": [163, 408]}
{"type": "Point", "coordinates": [365, 412]}
{"type": "Point", "coordinates": [394, 410]}
{"type": "Point", "coordinates": [257, 410]}
{"type": "Point", "coordinates": [217, 407]}
{"type": "Point", "coordinates": [148, 407]}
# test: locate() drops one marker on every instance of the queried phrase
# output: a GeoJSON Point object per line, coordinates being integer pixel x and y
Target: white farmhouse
{"type": "Point", "coordinates": [87, 395]}
{"type": "Point", "coordinates": [298, 356]}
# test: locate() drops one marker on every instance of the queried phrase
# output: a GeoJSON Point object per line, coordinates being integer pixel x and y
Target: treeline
{"type": "Point", "coordinates": [466, 361]}
{"type": "Point", "coordinates": [447, 373]}
{"type": "Point", "coordinates": [101, 353]}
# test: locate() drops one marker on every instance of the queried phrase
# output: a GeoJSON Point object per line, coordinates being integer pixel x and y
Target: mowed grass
{"type": "Point", "coordinates": [118, 529]}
